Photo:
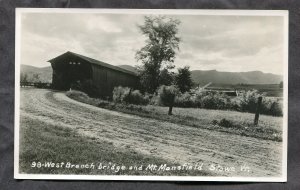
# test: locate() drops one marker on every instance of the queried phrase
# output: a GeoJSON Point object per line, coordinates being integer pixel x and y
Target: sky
{"type": "Point", "coordinates": [208, 42]}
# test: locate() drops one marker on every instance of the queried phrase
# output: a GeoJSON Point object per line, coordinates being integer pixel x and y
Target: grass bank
{"type": "Point", "coordinates": [269, 128]}
{"type": "Point", "coordinates": [43, 142]}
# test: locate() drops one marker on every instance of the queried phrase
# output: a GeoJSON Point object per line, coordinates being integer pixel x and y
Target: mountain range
{"type": "Point", "coordinates": [203, 77]}
{"type": "Point", "coordinates": [200, 77]}
{"type": "Point", "coordinates": [218, 77]}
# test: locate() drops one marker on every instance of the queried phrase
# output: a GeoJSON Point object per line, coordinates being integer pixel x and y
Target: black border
{"type": "Point", "coordinates": [7, 58]}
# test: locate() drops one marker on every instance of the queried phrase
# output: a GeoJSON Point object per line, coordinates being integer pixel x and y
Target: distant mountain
{"type": "Point", "coordinates": [129, 68]}
{"type": "Point", "coordinates": [44, 73]}
{"type": "Point", "coordinates": [217, 77]}
{"type": "Point", "coordinates": [200, 77]}
{"type": "Point", "coordinates": [251, 77]}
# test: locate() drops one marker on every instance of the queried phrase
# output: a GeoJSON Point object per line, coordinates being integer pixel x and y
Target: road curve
{"type": "Point", "coordinates": [172, 142]}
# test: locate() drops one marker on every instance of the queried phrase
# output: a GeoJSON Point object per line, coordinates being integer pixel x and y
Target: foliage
{"type": "Point", "coordinates": [120, 93]}
{"type": "Point", "coordinates": [183, 79]}
{"type": "Point", "coordinates": [248, 101]}
{"type": "Point", "coordinates": [281, 84]}
{"type": "Point", "coordinates": [166, 77]}
{"type": "Point", "coordinates": [226, 123]}
{"type": "Point", "coordinates": [36, 78]}
{"type": "Point", "coordinates": [167, 96]}
{"type": "Point", "coordinates": [245, 102]}
{"type": "Point", "coordinates": [184, 100]}
{"type": "Point", "coordinates": [159, 52]}
{"type": "Point", "coordinates": [129, 96]}
{"type": "Point", "coordinates": [275, 109]}
{"type": "Point", "coordinates": [24, 77]}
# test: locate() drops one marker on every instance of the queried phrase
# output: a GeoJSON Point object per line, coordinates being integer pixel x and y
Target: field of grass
{"type": "Point", "coordinates": [269, 128]}
{"type": "Point", "coordinates": [43, 142]}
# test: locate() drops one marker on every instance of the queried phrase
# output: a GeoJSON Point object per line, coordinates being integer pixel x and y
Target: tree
{"type": "Point", "coordinates": [36, 77]}
{"type": "Point", "coordinates": [159, 52]}
{"type": "Point", "coordinates": [24, 77]}
{"type": "Point", "coordinates": [166, 77]}
{"type": "Point", "coordinates": [183, 79]}
{"type": "Point", "coordinates": [281, 84]}
{"type": "Point", "coordinates": [167, 96]}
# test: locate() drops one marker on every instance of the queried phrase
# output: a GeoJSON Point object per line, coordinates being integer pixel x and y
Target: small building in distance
{"type": "Point", "coordinates": [70, 68]}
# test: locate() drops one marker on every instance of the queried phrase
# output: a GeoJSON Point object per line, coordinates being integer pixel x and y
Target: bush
{"type": "Point", "coordinates": [167, 96]}
{"type": "Point", "coordinates": [128, 96]}
{"type": "Point", "coordinates": [275, 109]}
{"type": "Point", "coordinates": [184, 100]}
{"type": "Point", "coordinates": [138, 98]}
{"type": "Point", "coordinates": [204, 99]}
{"type": "Point", "coordinates": [226, 123]}
{"type": "Point", "coordinates": [247, 102]}
{"type": "Point", "coordinates": [120, 93]}
{"type": "Point", "coordinates": [272, 107]}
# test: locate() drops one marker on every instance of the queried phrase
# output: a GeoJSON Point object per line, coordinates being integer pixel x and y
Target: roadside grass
{"type": "Point", "coordinates": [43, 142]}
{"type": "Point", "coordinates": [240, 123]}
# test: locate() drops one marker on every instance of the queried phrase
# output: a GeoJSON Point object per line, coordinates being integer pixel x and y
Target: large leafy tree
{"type": "Point", "coordinates": [183, 79]}
{"type": "Point", "coordinates": [158, 55]}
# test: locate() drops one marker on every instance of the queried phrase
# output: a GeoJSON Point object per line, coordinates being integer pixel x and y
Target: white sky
{"type": "Point", "coordinates": [223, 43]}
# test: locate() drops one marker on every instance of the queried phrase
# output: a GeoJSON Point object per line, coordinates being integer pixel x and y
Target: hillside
{"type": "Point", "coordinates": [252, 77]}
{"type": "Point", "coordinates": [45, 73]}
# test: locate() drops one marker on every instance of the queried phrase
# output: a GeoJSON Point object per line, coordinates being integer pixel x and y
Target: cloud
{"type": "Point", "coordinates": [228, 43]}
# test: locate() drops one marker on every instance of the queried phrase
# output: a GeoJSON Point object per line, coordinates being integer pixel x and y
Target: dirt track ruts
{"type": "Point", "coordinates": [173, 142]}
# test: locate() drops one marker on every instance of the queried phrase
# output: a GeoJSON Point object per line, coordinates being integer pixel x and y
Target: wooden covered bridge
{"type": "Point", "coordinates": [71, 67]}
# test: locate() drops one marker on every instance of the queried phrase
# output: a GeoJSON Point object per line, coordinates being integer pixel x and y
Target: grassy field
{"type": "Point", "coordinates": [269, 128]}
{"type": "Point", "coordinates": [42, 142]}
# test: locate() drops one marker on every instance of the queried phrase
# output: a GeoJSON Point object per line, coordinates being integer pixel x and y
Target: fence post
{"type": "Point", "coordinates": [257, 110]}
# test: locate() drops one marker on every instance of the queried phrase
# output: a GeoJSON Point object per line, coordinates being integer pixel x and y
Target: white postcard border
{"type": "Point", "coordinates": [283, 13]}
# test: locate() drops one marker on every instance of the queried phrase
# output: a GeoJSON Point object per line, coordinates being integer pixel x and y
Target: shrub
{"type": "Point", "coordinates": [214, 122]}
{"type": "Point", "coordinates": [154, 100]}
{"type": "Point", "coordinates": [128, 96]}
{"type": "Point", "coordinates": [276, 109]}
{"type": "Point", "coordinates": [211, 100]}
{"type": "Point", "coordinates": [184, 100]}
{"type": "Point", "coordinates": [136, 97]}
{"type": "Point", "coordinates": [248, 101]}
{"type": "Point", "coordinates": [226, 123]}
{"type": "Point", "coordinates": [272, 107]}
{"type": "Point", "coordinates": [120, 93]}
{"type": "Point", "coordinates": [167, 96]}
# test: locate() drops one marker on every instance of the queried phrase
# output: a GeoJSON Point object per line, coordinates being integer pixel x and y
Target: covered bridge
{"type": "Point", "coordinates": [71, 67]}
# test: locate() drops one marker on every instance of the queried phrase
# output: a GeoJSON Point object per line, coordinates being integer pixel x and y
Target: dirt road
{"type": "Point", "coordinates": [175, 143]}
